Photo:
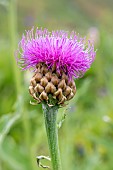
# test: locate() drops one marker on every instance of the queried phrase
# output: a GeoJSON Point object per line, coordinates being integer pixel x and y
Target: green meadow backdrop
{"type": "Point", "coordinates": [86, 136]}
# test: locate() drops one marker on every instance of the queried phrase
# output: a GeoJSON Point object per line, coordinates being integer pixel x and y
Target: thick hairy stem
{"type": "Point", "coordinates": [50, 115]}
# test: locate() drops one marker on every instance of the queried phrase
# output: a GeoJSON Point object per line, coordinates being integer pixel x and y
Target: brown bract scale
{"type": "Point", "coordinates": [45, 82]}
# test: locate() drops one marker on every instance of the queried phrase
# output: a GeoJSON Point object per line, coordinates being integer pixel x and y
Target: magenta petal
{"type": "Point", "coordinates": [71, 53]}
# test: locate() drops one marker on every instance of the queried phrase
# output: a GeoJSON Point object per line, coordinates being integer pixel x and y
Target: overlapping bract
{"type": "Point", "coordinates": [70, 53]}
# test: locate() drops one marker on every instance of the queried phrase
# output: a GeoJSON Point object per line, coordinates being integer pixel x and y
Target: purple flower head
{"type": "Point", "coordinates": [70, 53]}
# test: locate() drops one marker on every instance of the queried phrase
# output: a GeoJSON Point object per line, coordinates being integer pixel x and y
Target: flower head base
{"type": "Point", "coordinates": [57, 58]}
{"type": "Point", "coordinates": [70, 53]}
{"type": "Point", "coordinates": [49, 83]}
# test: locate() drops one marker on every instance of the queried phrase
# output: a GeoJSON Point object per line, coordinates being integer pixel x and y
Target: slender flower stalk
{"type": "Point", "coordinates": [57, 58]}
{"type": "Point", "coordinates": [50, 115]}
{"type": "Point", "coordinates": [13, 34]}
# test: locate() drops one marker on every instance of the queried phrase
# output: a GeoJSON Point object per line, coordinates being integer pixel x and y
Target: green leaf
{"type": "Point", "coordinates": [7, 121]}
{"type": "Point", "coordinates": [13, 155]}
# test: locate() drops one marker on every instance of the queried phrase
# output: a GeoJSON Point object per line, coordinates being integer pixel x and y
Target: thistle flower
{"type": "Point", "coordinates": [57, 58]}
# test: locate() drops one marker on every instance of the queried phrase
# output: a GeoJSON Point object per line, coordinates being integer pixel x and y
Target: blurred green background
{"type": "Point", "coordinates": [86, 136]}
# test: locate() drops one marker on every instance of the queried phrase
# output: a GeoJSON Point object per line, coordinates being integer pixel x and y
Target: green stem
{"type": "Point", "coordinates": [50, 115]}
{"type": "Point", "coordinates": [13, 40]}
